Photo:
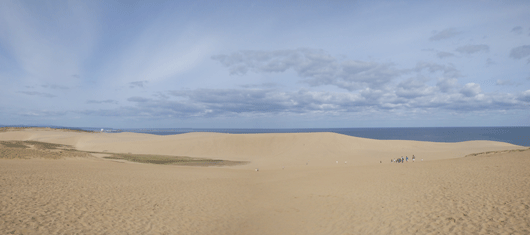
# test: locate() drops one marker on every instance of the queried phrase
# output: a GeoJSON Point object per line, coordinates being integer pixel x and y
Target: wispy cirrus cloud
{"type": "Point", "coordinates": [34, 43]}
{"type": "Point", "coordinates": [35, 93]}
{"type": "Point", "coordinates": [443, 54]}
{"type": "Point", "coordinates": [517, 30]}
{"type": "Point", "coordinates": [137, 84]}
{"type": "Point", "coordinates": [444, 34]}
{"type": "Point", "coordinates": [109, 101]}
{"type": "Point", "coordinates": [471, 49]}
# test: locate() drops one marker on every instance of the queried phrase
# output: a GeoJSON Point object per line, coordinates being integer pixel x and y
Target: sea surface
{"type": "Point", "coordinates": [514, 135]}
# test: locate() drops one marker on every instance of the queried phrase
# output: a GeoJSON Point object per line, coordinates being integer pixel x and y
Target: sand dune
{"type": "Point", "coordinates": [445, 194]}
{"type": "Point", "coordinates": [267, 151]}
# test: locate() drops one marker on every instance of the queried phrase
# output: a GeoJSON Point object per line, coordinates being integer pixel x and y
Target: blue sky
{"type": "Point", "coordinates": [241, 64]}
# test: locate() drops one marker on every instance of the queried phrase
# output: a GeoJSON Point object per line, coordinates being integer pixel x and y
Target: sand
{"type": "Point", "coordinates": [299, 188]}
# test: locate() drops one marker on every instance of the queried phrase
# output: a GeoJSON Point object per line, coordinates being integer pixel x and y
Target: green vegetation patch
{"type": "Point", "coordinates": [36, 149]}
{"type": "Point", "coordinates": [14, 144]}
{"type": "Point", "coordinates": [172, 160]}
{"type": "Point", "coordinates": [495, 152]}
{"type": "Point", "coordinates": [42, 145]}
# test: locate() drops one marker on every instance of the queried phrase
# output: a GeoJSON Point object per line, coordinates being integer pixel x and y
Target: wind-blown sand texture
{"type": "Point", "coordinates": [299, 188]}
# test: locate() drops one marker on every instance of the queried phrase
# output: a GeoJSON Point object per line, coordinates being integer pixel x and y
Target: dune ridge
{"type": "Point", "coordinates": [262, 150]}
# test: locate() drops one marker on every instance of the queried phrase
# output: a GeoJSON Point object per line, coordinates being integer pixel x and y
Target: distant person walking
{"type": "Point", "coordinates": [402, 159]}
{"type": "Point", "coordinates": [407, 158]}
{"type": "Point", "coordinates": [413, 158]}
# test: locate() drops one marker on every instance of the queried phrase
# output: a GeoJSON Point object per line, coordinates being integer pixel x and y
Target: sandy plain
{"type": "Point", "coordinates": [299, 188]}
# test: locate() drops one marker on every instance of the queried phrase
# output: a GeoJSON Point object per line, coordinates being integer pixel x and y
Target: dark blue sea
{"type": "Point", "coordinates": [514, 135]}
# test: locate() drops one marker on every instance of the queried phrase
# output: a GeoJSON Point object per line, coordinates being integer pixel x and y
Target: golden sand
{"type": "Point", "coordinates": [299, 188]}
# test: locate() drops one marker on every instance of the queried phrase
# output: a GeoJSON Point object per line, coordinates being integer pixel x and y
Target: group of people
{"type": "Point", "coordinates": [402, 160]}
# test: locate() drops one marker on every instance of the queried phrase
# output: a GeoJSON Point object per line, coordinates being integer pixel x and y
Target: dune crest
{"type": "Point", "coordinates": [262, 150]}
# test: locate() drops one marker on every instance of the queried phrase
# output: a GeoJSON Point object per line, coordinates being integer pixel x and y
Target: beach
{"type": "Point", "coordinates": [288, 183]}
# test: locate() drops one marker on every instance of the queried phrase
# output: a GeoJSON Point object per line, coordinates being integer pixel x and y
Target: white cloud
{"type": "Point", "coordinates": [471, 90]}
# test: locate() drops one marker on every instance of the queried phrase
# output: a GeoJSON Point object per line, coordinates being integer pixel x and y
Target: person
{"type": "Point", "coordinates": [413, 158]}
{"type": "Point", "coordinates": [402, 159]}
{"type": "Point", "coordinates": [407, 158]}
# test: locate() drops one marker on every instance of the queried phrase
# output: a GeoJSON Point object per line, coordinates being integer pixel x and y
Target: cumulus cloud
{"type": "Point", "coordinates": [35, 93]}
{"type": "Point", "coordinates": [410, 94]}
{"type": "Point", "coordinates": [102, 102]}
{"type": "Point", "coordinates": [443, 54]}
{"type": "Point", "coordinates": [520, 52]}
{"type": "Point", "coordinates": [316, 67]}
{"type": "Point", "coordinates": [471, 89]}
{"type": "Point", "coordinates": [447, 84]}
{"type": "Point", "coordinates": [524, 96]}
{"type": "Point", "coordinates": [517, 30]}
{"type": "Point", "coordinates": [471, 49]}
{"type": "Point", "coordinates": [444, 34]}
{"type": "Point", "coordinates": [413, 87]}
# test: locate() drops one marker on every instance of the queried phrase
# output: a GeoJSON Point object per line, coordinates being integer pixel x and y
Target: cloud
{"type": "Point", "coordinates": [489, 62]}
{"type": "Point", "coordinates": [471, 49]}
{"type": "Point", "coordinates": [35, 93]}
{"type": "Point", "coordinates": [413, 87]}
{"type": "Point", "coordinates": [524, 96]}
{"type": "Point", "coordinates": [137, 99]}
{"type": "Point", "coordinates": [315, 67]}
{"type": "Point", "coordinates": [55, 86]}
{"type": "Point", "coordinates": [49, 41]}
{"type": "Point", "coordinates": [517, 30]}
{"type": "Point", "coordinates": [501, 82]}
{"type": "Point", "coordinates": [471, 90]}
{"type": "Point", "coordinates": [413, 94]}
{"type": "Point", "coordinates": [520, 52]}
{"type": "Point", "coordinates": [444, 34]}
{"type": "Point", "coordinates": [102, 102]}
{"type": "Point", "coordinates": [137, 84]}
{"type": "Point", "coordinates": [262, 85]}
{"type": "Point", "coordinates": [446, 70]}
{"type": "Point", "coordinates": [447, 84]}
{"type": "Point", "coordinates": [42, 113]}
{"type": "Point", "coordinates": [443, 54]}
